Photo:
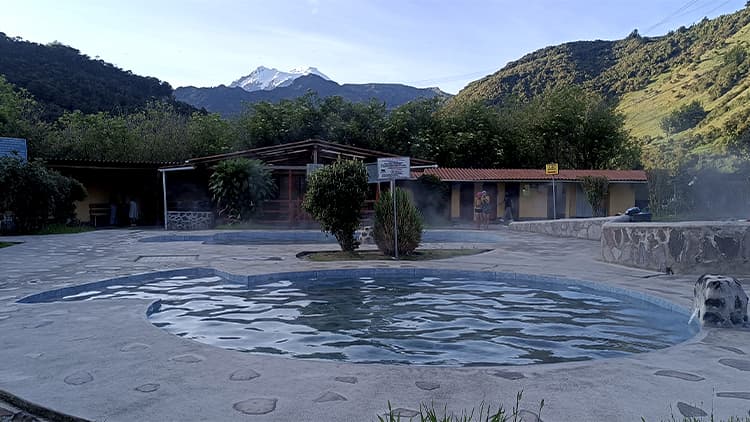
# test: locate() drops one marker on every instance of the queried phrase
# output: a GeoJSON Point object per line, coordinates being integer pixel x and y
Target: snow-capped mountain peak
{"type": "Point", "coordinates": [270, 78]}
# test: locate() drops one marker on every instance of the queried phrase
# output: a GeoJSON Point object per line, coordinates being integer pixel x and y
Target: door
{"type": "Point", "coordinates": [467, 201]}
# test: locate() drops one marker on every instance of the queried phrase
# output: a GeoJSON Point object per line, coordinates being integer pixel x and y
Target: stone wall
{"type": "Point", "coordinates": [190, 220]}
{"type": "Point", "coordinates": [685, 247]}
{"type": "Point", "coordinates": [582, 228]}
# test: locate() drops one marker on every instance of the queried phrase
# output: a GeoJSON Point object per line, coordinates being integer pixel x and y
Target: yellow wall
{"type": "Point", "coordinates": [570, 200]}
{"type": "Point", "coordinates": [97, 195]}
{"type": "Point", "coordinates": [532, 204]}
{"type": "Point", "coordinates": [621, 197]}
{"type": "Point", "coordinates": [456, 200]}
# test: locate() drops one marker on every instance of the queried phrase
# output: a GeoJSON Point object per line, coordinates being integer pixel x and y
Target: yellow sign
{"type": "Point", "coordinates": [551, 168]}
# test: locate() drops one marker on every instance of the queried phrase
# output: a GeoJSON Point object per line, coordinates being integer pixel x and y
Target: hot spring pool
{"type": "Point", "coordinates": [434, 320]}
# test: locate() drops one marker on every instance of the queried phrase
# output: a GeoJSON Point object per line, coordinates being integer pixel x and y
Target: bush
{"type": "Point", "coordinates": [409, 224]}
{"type": "Point", "coordinates": [684, 118]}
{"type": "Point", "coordinates": [35, 195]}
{"type": "Point", "coordinates": [335, 195]}
{"type": "Point", "coordinates": [239, 186]}
{"type": "Point", "coordinates": [596, 188]}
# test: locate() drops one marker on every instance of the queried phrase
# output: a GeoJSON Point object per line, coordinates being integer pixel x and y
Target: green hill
{"type": "Point", "coordinates": [649, 78]}
{"type": "Point", "coordinates": [63, 79]}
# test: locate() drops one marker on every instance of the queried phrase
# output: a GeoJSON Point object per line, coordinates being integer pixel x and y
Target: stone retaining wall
{"type": "Point", "coordinates": [685, 247]}
{"type": "Point", "coordinates": [582, 228]}
{"type": "Point", "coordinates": [190, 220]}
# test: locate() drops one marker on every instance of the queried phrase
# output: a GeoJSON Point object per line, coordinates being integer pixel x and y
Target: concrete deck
{"type": "Point", "coordinates": [103, 360]}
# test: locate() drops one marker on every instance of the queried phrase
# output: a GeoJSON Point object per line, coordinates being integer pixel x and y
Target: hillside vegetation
{"type": "Point", "coordinates": [62, 79]}
{"type": "Point", "coordinates": [650, 79]}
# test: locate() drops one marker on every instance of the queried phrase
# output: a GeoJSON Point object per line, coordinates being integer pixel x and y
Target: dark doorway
{"type": "Point", "coordinates": [467, 201]}
{"type": "Point", "coordinates": [512, 192]}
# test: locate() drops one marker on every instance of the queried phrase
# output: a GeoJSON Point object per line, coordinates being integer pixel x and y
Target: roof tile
{"type": "Point", "coordinates": [469, 175]}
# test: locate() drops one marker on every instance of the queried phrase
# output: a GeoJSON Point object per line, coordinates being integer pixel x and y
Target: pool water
{"type": "Point", "coordinates": [419, 320]}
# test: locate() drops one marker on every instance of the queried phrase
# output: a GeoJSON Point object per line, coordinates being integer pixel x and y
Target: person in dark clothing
{"type": "Point", "coordinates": [508, 215]}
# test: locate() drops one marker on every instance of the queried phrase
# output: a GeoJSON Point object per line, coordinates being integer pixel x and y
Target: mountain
{"type": "Point", "coordinates": [652, 80]}
{"type": "Point", "coordinates": [264, 78]}
{"type": "Point", "coordinates": [229, 101]}
{"type": "Point", "coordinates": [63, 79]}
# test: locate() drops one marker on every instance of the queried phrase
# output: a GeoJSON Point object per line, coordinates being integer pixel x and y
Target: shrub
{"type": "Point", "coordinates": [684, 118]}
{"type": "Point", "coordinates": [596, 188]}
{"type": "Point", "coordinates": [409, 224]}
{"type": "Point", "coordinates": [36, 195]}
{"type": "Point", "coordinates": [335, 195]}
{"type": "Point", "coordinates": [239, 186]}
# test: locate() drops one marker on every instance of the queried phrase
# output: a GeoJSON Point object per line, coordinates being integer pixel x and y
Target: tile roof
{"type": "Point", "coordinates": [449, 174]}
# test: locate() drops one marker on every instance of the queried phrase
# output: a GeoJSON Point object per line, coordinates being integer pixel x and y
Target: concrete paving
{"type": "Point", "coordinates": [103, 360]}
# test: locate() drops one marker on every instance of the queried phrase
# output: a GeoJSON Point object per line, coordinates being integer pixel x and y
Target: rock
{"type": "Point", "coordinates": [187, 358]}
{"type": "Point", "coordinates": [508, 375]}
{"type": "Point", "coordinates": [79, 378]}
{"type": "Point", "coordinates": [689, 411]}
{"type": "Point", "coordinates": [348, 380]}
{"type": "Point", "coordinates": [719, 301]}
{"type": "Point", "coordinates": [147, 388]}
{"type": "Point", "coordinates": [678, 374]}
{"type": "Point", "coordinates": [427, 385]}
{"type": "Point", "coordinates": [740, 364]}
{"type": "Point", "coordinates": [734, 395]}
{"type": "Point", "coordinates": [243, 375]}
{"type": "Point", "coordinates": [330, 396]}
{"type": "Point", "coordinates": [256, 406]}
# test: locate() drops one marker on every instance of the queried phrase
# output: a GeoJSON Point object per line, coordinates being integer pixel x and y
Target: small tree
{"type": "Point", "coordinates": [335, 195]}
{"type": "Point", "coordinates": [596, 188]}
{"type": "Point", "coordinates": [34, 193]}
{"type": "Point", "coordinates": [239, 186]}
{"type": "Point", "coordinates": [409, 222]}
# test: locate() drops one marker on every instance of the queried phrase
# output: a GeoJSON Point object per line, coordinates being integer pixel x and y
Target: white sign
{"type": "Point", "coordinates": [394, 168]}
{"type": "Point", "coordinates": [311, 168]}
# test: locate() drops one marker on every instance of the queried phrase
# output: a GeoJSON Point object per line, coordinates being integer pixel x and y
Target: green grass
{"type": "Point", "coordinates": [375, 255]}
{"type": "Point", "coordinates": [63, 229]}
{"type": "Point", "coordinates": [485, 414]}
{"type": "Point", "coordinates": [6, 244]}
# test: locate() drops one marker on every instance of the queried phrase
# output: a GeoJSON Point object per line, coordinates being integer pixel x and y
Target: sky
{"type": "Point", "coordinates": [444, 43]}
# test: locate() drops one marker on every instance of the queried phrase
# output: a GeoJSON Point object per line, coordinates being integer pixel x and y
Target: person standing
{"type": "Point", "coordinates": [133, 212]}
{"type": "Point", "coordinates": [486, 209]}
{"type": "Point", "coordinates": [478, 209]}
{"type": "Point", "coordinates": [508, 214]}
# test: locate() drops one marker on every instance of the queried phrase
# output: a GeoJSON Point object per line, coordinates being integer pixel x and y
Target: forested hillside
{"type": "Point", "coordinates": [652, 81]}
{"type": "Point", "coordinates": [62, 79]}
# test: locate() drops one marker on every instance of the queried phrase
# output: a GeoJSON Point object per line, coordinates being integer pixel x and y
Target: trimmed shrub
{"type": "Point", "coordinates": [239, 186]}
{"type": "Point", "coordinates": [36, 195]}
{"type": "Point", "coordinates": [335, 195]}
{"type": "Point", "coordinates": [409, 222]}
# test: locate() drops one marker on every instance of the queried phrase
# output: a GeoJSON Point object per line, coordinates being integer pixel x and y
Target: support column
{"type": "Point", "coordinates": [290, 209]}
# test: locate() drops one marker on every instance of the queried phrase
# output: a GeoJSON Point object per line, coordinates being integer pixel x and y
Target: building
{"type": "Point", "coordinates": [187, 183]}
{"type": "Point", "coordinates": [111, 185]}
{"type": "Point", "coordinates": [530, 191]}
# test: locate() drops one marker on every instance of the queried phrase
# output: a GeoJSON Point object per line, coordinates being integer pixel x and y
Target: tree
{"type": "Point", "coordinates": [34, 194]}
{"type": "Point", "coordinates": [685, 117]}
{"type": "Point", "coordinates": [596, 189]}
{"type": "Point", "coordinates": [576, 129]}
{"type": "Point", "coordinates": [335, 195]}
{"type": "Point", "coordinates": [239, 186]}
{"type": "Point", "coordinates": [408, 221]}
